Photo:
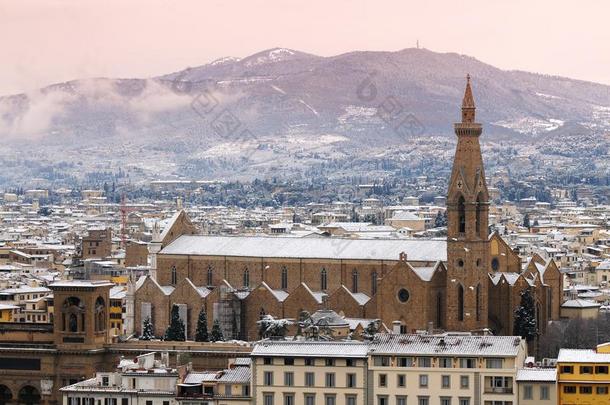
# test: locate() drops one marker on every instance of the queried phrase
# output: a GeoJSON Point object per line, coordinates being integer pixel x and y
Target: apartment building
{"type": "Point", "coordinates": [537, 386]}
{"type": "Point", "coordinates": [444, 369]}
{"type": "Point", "coordinates": [145, 381]}
{"type": "Point", "coordinates": [583, 376]}
{"type": "Point", "coordinates": [309, 373]}
{"type": "Point", "coordinates": [393, 369]}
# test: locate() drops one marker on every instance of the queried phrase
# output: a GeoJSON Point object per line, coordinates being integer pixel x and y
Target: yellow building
{"type": "Point", "coordinates": [7, 311]}
{"type": "Point", "coordinates": [583, 377]}
{"type": "Point", "coordinates": [118, 295]}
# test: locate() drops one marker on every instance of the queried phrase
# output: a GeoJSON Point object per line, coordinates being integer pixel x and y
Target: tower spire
{"type": "Point", "coordinates": [468, 108]}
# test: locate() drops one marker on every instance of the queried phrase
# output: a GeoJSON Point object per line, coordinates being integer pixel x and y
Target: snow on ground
{"type": "Point", "coordinates": [354, 113]}
{"type": "Point", "coordinates": [275, 55]}
{"type": "Point", "coordinates": [600, 119]}
{"type": "Point", "coordinates": [530, 125]}
{"type": "Point", "coordinates": [549, 96]}
{"type": "Point", "coordinates": [226, 59]}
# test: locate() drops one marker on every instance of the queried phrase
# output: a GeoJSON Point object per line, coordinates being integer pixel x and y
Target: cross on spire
{"type": "Point", "coordinates": [468, 107]}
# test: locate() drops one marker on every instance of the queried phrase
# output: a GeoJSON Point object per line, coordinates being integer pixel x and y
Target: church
{"type": "Point", "coordinates": [469, 282]}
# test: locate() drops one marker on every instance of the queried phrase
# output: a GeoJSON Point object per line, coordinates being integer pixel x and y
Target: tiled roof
{"type": "Point", "coordinates": [537, 374]}
{"type": "Point", "coordinates": [310, 349]}
{"type": "Point", "coordinates": [198, 378]}
{"type": "Point", "coordinates": [446, 345]}
{"type": "Point", "coordinates": [236, 375]}
{"type": "Point", "coordinates": [315, 248]}
{"type": "Point", "coordinates": [578, 303]}
{"type": "Point", "coordinates": [582, 356]}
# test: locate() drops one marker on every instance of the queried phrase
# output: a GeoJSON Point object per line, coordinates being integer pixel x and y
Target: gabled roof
{"type": "Point", "coordinates": [428, 250]}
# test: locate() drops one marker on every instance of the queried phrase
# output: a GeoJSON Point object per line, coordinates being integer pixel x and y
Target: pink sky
{"type": "Point", "coordinates": [47, 41]}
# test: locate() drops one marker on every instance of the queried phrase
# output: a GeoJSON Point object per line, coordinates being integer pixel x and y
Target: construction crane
{"type": "Point", "coordinates": [124, 213]}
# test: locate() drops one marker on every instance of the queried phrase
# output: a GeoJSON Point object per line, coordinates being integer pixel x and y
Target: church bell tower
{"type": "Point", "coordinates": [467, 228]}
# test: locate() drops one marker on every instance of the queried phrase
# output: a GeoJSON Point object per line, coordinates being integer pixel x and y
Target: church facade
{"type": "Point", "coordinates": [470, 281]}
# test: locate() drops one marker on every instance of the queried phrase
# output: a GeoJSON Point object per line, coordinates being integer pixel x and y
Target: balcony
{"type": "Point", "coordinates": [498, 390]}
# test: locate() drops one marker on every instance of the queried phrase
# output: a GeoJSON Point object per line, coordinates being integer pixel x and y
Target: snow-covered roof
{"type": "Point", "coordinates": [310, 349]}
{"type": "Point", "coordinates": [315, 248]}
{"type": "Point", "coordinates": [579, 303]}
{"type": "Point", "coordinates": [582, 356]}
{"type": "Point", "coordinates": [235, 375]}
{"type": "Point", "coordinates": [537, 374]}
{"type": "Point", "coordinates": [446, 345]}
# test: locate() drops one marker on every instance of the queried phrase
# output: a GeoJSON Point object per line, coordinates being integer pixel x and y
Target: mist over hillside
{"type": "Point", "coordinates": [229, 117]}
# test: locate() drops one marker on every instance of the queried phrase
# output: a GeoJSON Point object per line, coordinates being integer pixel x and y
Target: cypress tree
{"type": "Point", "coordinates": [175, 330]}
{"type": "Point", "coordinates": [147, 330]}
{"type": "Point", "coordinates": [201, 334]}
{"type": "Point", "coordinates": [525, 317]}
{"type": "Point", "coordinates": [216, 334]}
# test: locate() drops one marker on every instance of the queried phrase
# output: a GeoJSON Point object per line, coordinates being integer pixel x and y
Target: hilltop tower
{"type": "Point", "coordinates": [467, 228]}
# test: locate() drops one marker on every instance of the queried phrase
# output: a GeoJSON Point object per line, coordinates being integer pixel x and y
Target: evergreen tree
{"type": "Point", "coordinates": [525, 317]}
{"type": "Point", "coordinates": [438, 221]}
{"type": "Point", "coordinates": [147, 330]}
{"type": "Point", "coordinates": [201, 334]}
{"type": "Point", "coordinates": [526, 221]}
{"type": "Point", "coordinates": [216, 334]}
{"type": "Point", "coordinates": [175, 330]}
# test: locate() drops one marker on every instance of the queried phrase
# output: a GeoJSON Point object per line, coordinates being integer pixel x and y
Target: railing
{"type": "Point", "coordinates": [498, 390]}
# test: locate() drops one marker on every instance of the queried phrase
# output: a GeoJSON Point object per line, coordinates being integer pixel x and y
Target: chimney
{"type": "Point", "coordinates": [402, 257]}
{"type": "Point", "coordinates": [396, 327]}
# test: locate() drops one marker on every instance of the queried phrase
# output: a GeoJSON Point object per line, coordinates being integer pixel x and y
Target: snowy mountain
{"type": "Point", "coordinates": [363, 98]}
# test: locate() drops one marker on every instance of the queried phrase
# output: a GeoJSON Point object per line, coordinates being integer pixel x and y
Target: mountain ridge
{"type": "Point", "coordinates": [280, 91]}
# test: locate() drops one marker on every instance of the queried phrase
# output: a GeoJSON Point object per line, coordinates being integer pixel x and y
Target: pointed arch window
{"type": "Point", "coordinates": [477, 223]}
{"type": "Point", "coordinates": [461, 215]}
{"type": "Point", "coordinates": [246, 278]}
{"type": "Point", "coordinates": [100, 315]}
{"type": "Point", "coordinates": [174, 276]}
{"type": "Point", "coordinates": [355, 281]}
{"type": "Point", "coordinates": [439, 309]}
{"type": "Point", "coordinates": [323, 280]}
{"type": "Point", "coordinates": [210, 276]}
{"type": "Point", "coordinates": [460, 302]}
{"type": "Point", "coordinates": [478, 303]}
{"type": "Point", "coordinates": [374, 283]}
{"type": "Point", "coordinates": [284, 278]}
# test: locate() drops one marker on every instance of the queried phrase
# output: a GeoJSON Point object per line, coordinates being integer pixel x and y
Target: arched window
{"type": "Point", "coordinates": [460, 302]}
{"type": "Point", "coordinates": [478, 299]}
{"type": "Point", "coordinates": [284, 278]}
{"type": "Point", "coordinates": [439, 309]}
{"type": "Point", "coordinates": [72, 323]}
{"type": "Point", "coordinates": [100, 315]}
{"type": "Point", "coordinates": [461, 215]}
{"type": "Point", "coordinates": [210, 276]}
{"type": "Point", "coordinates": [477, 222]}
{"type": "Point", "coordinates": [174, 276]}
{"type": "Point", "coordinates": [246, 278]}
{"type": "Point", "coordinates": [70, 311]}
{"type": "Point", "coordinates": [5, 395]}
{"type": "Point", "coordinates": [29, 395]}
{"type": "Point", "coordinates": [374, 283]}
{"type": "Point", "coordinates": [355, 281]}
{"type": "Point", "coordinates": [323, 280]}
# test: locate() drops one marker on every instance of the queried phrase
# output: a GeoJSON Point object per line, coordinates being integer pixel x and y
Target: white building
{"type": "Point", "coordinates": [145, 381]}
